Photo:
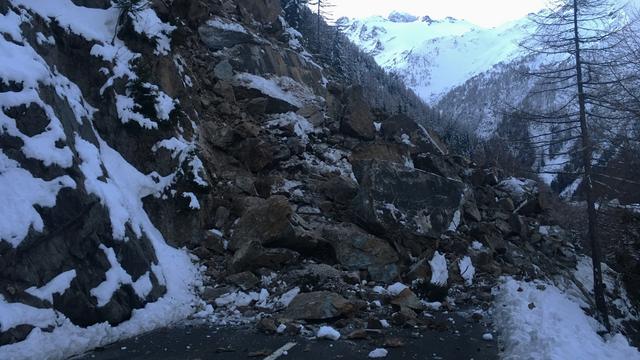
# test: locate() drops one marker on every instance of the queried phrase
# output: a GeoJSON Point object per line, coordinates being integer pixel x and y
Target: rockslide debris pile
{"type": "Point", "coordinates": [205, 125]}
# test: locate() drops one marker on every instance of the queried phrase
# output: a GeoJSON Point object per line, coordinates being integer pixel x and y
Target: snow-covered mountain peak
{"type": "Point", "coordinates": [434, 56]}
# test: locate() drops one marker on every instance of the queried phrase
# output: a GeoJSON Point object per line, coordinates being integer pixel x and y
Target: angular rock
{"type": "Point", "coordinates": [252, 255]}
{"type": "Point", "coordinates": [267, 222]}
{"type": "Point", "coordinates": [267, 326]}
{"type": "Point", "coordinates": [256, 154]}
{"type": "Point", "coordinates": [223, 71]}
{"type": "Point", "coordinates": [520, 226]}
{"type": "Point", "coordinates": [506, 204]}
{"type": "Point", "coordinates": [380, 151]}
{"type": "Point", "coordinates": [471, 212]}
{"type": "Point", "coordinates": [340, 189]}
{"type": "Point", "coordinates": [490, 235]}
{"type": "Point", "coordinates": [357, 250]}
{"type": "Point", "coordinates": [421, 270]}
{"type": "Point", "coordinates": [407, 299]}
{"type": "Point", "coordinates": [485, 177]}
{"type": "Point", "coordinates": [320, 305]}
{"type": "Point", "coordinates": [357, 120]}
{"type": "Point", "coordinates": [437, 164]}
{"type": "Point", "coordinates": [245, 280]}
{"type": "Point", "coordinates": [405, 316]}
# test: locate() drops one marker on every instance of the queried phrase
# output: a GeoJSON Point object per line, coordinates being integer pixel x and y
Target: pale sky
{"type": "Point", "coordinates": [486, 13]}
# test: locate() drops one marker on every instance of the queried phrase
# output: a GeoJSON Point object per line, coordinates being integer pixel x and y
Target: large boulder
{"type": "Point", "coordinates": [266, 221]}
{"type": "Point", "coordinates": [357, 120]}
{"type": "Point", "coordinates": [320, 305]}
{"type": "Point", "coordinates": [271, 223]}
{"type": "Point", "coordinates": [252, 255]}
{"type": "Point", "coordinates": [357, 250]}
{"type": "Point", "coordinates": [393, 198]}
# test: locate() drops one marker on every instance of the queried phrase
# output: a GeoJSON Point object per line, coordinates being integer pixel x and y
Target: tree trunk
{"type": "Point", "coordinates": [587, 154]}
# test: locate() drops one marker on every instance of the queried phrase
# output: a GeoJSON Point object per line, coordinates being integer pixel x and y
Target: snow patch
{"type": "Point", "coordinates": [57, 285]}
{"type": "Point", "coordinates": [467, 270]}
{"type": "Point", "coordinates": [547, 325]}
{"type": "Point", "coordinates": [327, 332]}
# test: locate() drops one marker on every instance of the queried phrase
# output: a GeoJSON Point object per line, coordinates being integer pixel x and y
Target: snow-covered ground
{"type": "Point", "coordinates": [540, 321]}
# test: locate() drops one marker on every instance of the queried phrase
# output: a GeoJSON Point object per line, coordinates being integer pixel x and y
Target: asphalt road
{"type": "Point", "coordinates": [191, 342]}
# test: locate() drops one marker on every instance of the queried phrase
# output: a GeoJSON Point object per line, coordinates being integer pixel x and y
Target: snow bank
{"type": "Point", "coordinates": [548, 325]}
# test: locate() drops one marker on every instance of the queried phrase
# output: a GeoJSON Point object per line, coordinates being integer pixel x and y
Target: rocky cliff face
{"type": "Point", "coordinates": [202, 147]}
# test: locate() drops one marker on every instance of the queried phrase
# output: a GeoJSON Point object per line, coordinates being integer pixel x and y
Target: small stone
{"type": "Point", "coordinates": [404, 316]}
{"type": "Point", "coordinates": [408, 299]}
{"type": "Point", "coordinates": [267, 325]}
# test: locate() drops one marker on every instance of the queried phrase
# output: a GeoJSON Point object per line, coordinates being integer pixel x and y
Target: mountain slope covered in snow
{"type": "Point", "coordinates": [476, 78]}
